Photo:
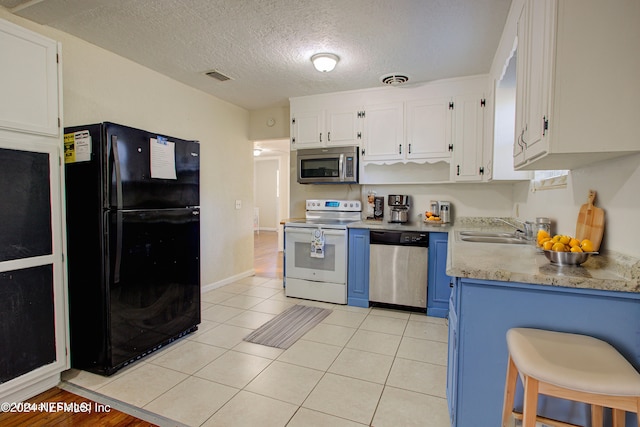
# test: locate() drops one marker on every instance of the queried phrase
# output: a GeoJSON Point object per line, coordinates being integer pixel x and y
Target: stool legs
{"type": "Point", "coordinates": [597, 417]}
{"type": "Point", "coordinates": [530, 409]}
{"type": "Point", "coordinates": [618, 416]}
{"type": "Point", "coordinates": [509, 392]}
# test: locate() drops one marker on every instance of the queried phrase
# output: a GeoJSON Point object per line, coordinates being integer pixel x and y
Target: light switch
{"type": "Point", "coordinates": [238, 204]}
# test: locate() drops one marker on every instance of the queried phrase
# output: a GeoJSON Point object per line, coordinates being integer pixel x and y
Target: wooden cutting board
{"type": "Point", "coordinates": [590, 223]}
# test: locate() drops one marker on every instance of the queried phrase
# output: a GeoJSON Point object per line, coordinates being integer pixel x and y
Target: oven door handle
{"type": "Point", "coordinates": [310, 230]}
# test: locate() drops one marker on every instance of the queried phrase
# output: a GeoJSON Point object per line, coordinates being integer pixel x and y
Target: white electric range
{"type": "Point", "coordinates": [316, 250]}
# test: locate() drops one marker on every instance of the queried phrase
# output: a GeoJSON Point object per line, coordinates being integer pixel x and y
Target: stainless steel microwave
{"type": "Point", "coordinates": [331, 165]}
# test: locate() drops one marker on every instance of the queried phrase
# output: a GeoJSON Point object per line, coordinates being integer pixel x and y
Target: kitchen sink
{"type": "Point", "coordinates": [494, 239]}
{"type": "Point", "coordinates": [486, 234]}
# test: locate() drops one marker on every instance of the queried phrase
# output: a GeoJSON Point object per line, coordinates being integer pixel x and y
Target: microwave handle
{"type": "Point", "coordinates": [341, 166]}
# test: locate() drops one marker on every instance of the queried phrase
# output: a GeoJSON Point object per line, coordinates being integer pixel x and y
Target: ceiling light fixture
{"type": "Point", "coordinates": [256, 152]}
{"type": "Point", "coordinates": [324, 62]}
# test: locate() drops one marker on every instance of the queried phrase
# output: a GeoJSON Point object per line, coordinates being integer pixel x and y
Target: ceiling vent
{"type": "Point", "coordinates": [215, 74]}
{"type": "Point", "coordinates": [394, 79]}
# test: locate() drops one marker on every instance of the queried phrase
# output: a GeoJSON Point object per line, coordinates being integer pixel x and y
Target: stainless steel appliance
{"type": "Point", "coordinates": [398, 268]}
{"type": "Point", "coordinates": [133, 234]}
{"type": "Point", "coordinates": [445, 211]}
{"type": "Point", "coordinates": [398, 208]}
{"type": "Point", "coordinates": [316, 250]}
{"type": "Point", "coordinates": [334, 165]}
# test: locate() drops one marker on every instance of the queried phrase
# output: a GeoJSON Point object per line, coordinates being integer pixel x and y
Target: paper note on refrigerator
{"type": "Point", "coordinates": [77, 147]}
{"type": "Point", "coordinates": [163, 158]}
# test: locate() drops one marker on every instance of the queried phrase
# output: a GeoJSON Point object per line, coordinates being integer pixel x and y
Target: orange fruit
{"type": "Point", "coordinates": [576, 249]}
{"type": "Point", "coordinates": [574, 242]}
{"type": "Point", "coordinates": [558, 247]}
{"type": "Point", "coordinates": [586, 245]}
{"type": "Point", "coordinates": [547, 245]}
{"type": "Point", "coordinates": [543, 241]}
{"type": "Point", "coordinates": [542, 234]}
{"type": "Point", "coordinates": [565, 240]}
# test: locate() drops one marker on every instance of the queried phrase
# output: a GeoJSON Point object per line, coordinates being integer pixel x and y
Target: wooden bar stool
{"type": "Point", "coordinates": [568, 366]}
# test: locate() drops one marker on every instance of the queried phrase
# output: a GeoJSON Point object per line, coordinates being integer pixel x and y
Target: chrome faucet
{"type": "Point", "coordinates": [525, 232]}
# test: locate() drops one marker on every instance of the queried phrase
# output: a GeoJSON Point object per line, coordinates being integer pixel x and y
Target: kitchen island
{"type": "Point", "coordinates": [501, 286]}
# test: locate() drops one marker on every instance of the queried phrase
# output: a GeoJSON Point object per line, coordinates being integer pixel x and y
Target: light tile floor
{"type": "Point", "coordinates": [358, 367]}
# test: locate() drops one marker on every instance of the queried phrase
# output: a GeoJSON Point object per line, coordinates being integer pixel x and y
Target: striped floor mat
{"type": "Point", "coordinates": [286, 328]}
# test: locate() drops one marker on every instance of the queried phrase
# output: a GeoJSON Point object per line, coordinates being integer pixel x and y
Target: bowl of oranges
{"type": "Point", "coordinates": [564, 250]}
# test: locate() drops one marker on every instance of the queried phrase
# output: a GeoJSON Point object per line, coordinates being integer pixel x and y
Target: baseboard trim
{"type": "Point", "coordinates": [223, 282]}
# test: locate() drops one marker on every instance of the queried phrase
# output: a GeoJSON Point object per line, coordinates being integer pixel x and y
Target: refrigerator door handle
{"type": "Point", "coordinates": [116, 167]}
{"type": "Point", "coordinates": [118, 254]}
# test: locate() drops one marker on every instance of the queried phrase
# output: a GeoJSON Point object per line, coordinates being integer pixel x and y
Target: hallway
{"type": "Point", "coordinates": [267, 261]}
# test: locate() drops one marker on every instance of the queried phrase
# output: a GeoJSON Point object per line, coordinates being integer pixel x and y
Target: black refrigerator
{"type": "Point", "coordinates": [133, 243]}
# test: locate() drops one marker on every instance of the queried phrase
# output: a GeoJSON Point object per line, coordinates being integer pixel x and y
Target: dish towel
{"type": "Point", "coordinates": [317, 243]}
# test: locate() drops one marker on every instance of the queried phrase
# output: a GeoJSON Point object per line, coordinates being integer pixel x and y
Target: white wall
{"type": "Point", "coordinates": [101, 86]}
{"type": "Point", "coordinates": [466, 199]}
{"type": "Point", "coordinates": [617, 183]}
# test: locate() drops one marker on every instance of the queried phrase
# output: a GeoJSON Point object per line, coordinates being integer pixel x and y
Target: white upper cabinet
{"type": "Point", "coordinates": [578, 96]}
{"type": "Point", "coordinates": [383, 133]}
{"type": "Point", "coordinates": [468, 137]}
{"type": "Point", "coordinates": [408, 135]}
{"type": "Point", "coordinates": [533, 73]}
{"type": "Point", "coordinates": [324, 128]}
{"type": "Point", "coordinates": [28, 81]}
{"type": "Point", "coordinates": [428, 128]}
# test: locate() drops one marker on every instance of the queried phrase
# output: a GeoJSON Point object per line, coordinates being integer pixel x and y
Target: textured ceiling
{"type": "Point", "coordinates": [265, 45]}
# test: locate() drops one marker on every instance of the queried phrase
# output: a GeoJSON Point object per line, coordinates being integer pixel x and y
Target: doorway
{"type": "Point", "coordinates": [271, 203]}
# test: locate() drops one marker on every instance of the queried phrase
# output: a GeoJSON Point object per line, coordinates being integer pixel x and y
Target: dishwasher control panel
{"type": "Point", "coordinates": [399, 238]}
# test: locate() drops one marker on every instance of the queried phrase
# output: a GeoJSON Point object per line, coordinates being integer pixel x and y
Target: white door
{"type": "Point", "coordinates": [266, 193]}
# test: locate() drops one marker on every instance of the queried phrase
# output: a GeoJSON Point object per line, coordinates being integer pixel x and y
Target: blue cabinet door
{"type": "Point", "coordinates": [452, 360]}
{"type": "Point", "coordinates": [358, 268]}
{"type": "Point", "coordinates": [487, 309]}
{"type": "Point", "coordinates": [439, 286]}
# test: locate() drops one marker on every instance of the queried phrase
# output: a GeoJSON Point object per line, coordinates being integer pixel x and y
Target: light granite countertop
{"type": "Point", "coordinates": [527, 264]}
{"type": "Point", "coordinates": [409, 226]}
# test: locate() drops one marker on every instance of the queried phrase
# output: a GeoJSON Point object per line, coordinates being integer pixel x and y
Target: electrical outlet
{"type": "Point", "coordinates": [238, 204]}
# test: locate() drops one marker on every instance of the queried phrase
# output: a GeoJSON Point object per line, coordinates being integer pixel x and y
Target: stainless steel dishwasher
{"type": "Point", "coordinates": [398, 267]}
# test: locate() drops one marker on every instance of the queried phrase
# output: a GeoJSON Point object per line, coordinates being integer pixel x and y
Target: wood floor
{"type": "Point", "coordinates": [80, 416]}
{"type": "Point", "coordinates": [267, 261]}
